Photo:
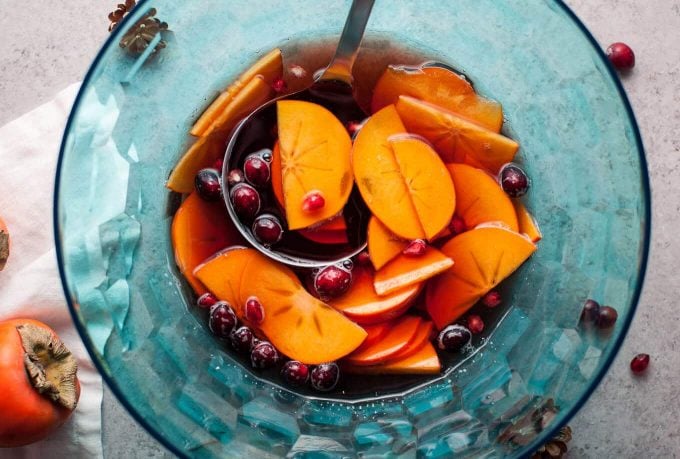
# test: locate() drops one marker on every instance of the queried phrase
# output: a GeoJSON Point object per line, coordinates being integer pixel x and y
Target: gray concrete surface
{"type": "Point", "coordinates": [44, 46]}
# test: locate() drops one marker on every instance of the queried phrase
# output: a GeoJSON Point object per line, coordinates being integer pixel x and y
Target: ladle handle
{"type": "Point", "coordinates": [340, 67]}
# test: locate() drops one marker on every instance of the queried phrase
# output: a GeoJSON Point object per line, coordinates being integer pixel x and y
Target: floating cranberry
{"type": "Point", "coordinates": [606, 317]}
{"type": "Point", "coordinates": [590, 312]}
{"type": "Point", "coordinates": [492, 299]}
{"type": "Point", "coordinates": [241, 339]}
{"type": "Point", "coordinates": [313, 201]}
{"type": "Point", "coordinates": [263, 355]}
{"type": "Point", "coordinates": [453, 338]}
{"type": "Point", "coordinates": [279, 85]}
{"type": "Point", "coordinates": [514, 181]}
{"type": "Point", "coordinates": [246, 200]}
{"type": "Point", "coordinates": [415, 248]}
{"type": "Point", "coordinates": [332, 281]}
{"type": "Point", "coordinates": [267, 229]}
{"type": "Point", "coordinates": [254, 311]}
{"type": "Point", "coordinates": [475, 324]}
{"type": "Point", "coordinates": [218, 164]}
{"type": "Point", "coordinates": [222, 319]}
{"type": "Point", "coordinates": [363, 258]}
{"type": "Point", "coordinates": [235, 176]}
{"type": "Point", "coordinates": [295, 373]}
{"type": "Point", "coordinates": [457, 225]}
{"type": "Point", "coordinates": [639, 363]}
{"type": "Point", "coordinates": [207, 183]}
{"type": "Point", "coordinates": [256, 170]}
{"type": "Point", "coordinates": [325, 377]}
{"type": "Point", "coordinates": [621, 56]}
{"type": "Point", "coordinates": [206, 300]}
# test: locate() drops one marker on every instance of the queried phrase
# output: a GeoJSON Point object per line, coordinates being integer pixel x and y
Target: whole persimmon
{"type": "Point", "coordinates": [4, 244]}
{"type": "Point", "coordinates": [38, 382]}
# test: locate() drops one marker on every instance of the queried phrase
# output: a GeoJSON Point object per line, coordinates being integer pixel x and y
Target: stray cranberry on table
{"type": "Point", "coordinates": [621, 56]}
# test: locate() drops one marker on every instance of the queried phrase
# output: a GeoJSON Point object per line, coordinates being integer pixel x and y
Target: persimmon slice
{"type": "Point", "coordinates": [404, 270]}
{"type": "Point", "coordinates": [401, 334]}
{"type": "Point", "coordinates": [222, 274]}
{"type": "Point", "coordinates": [423, 361]}
{"type": "Point", "coordinates": [527, 222]}
{"type": "Point", "coordinates": [383, 244]}
{"type": "Point", "coordinates": [421, 337]}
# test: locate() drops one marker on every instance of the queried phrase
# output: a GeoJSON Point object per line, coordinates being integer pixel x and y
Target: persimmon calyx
{"type": "Point", "coordinates": [50, 366]}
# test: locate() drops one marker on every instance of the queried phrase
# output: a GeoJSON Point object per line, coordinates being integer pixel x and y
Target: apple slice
{"type": "Point", "coordinates": [270, 67]}
{"type": "Point", "coordinates": [484, 257]}
{"type": "Point", "coordinates": [455, 138]}
{"type": "Point", "coordinates": [424, 361]}
{"type": "Point", "coordinates": [480, 199]}
{"type": "Point", "coordinates": [402, 180]}
{"type": "Point", "coordinates": [383, 244]}
{"type": "Point", "coordinates": [364, 306]}
{"type": "Point", "coordinates": [405, 270]}
{"type": "Point", "coordinates": [401, 334]}
{"type": "Point", "coordinates": [527, 222]}
{"type": "Point", "coordinates": [315, 158]}
{"type": "Point", "coordinates": [200, 229]}
{"type": "Point", "coordinates": [439, 86]}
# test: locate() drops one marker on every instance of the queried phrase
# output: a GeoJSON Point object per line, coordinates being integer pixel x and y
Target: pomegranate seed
{"type": "Point", "coordinates": [254, 311]}
{"type": "Point", "coordinates": [492, 299]}
{"type": "Point", "coordinates": [453, 338]}
{"type": "Point", "coordinates": [297, 71]}
{"type": "Point", "coordinates": [415, 248]}
{"type": "Point", "coordinates": [206, 300]}
{"type": "Point", "coordinates": [256, 170]}
{"type": "Point", "coordinates": [235, 176]}
{"type": "Point", "coordinates": [457, 225]}
{"type": "Point", "coordinates": [267, 229]}
{"type": "Point", "coordinates": [263, 355]}
{"type": "Point", "coordinates": [332, 281]}
{"type": "Point", "coordinates": [639, 363]}
{"type": "Point", "coordinates": [325, 376]}
{"type": "Point", "coordinates": [218, 164]}
{"type": "Point", "coordinates": [606, 317]}
{"type": "Point", "coordinates": [222, 319]}
{"type": "Point", "coordinates": [246, 200]}
{"type": "Point", "coordinates": [621, 56]}
{"type": "Point", "coordinates": [475, 324]}
{"type": "Point", "coordinates": [279, 85]}
{"type": "Point", "coordinates": [313, 201]}
{"type": "Point", "coordinates": [295, 373]}
{"type": "Point", "coordinates": [514, 181]}
{"type": "Point", "coordinates": [241, 339]}
{"type": "Point", "coordinates": [207, 183]}
{"type": "Point", "coordinates": [363, 258]}
{"type": "Point", "coordinates": [590, 312]}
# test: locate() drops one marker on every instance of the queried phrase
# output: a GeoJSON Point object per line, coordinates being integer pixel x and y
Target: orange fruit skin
{"type": "Point", "coordinates": [424, 361]}
{"type": "Point", "coordinates": [404, 270]}
{"type": "Point", "coordinates": [398, 338]}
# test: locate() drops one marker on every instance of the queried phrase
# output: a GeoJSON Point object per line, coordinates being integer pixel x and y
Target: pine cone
{"type": "Point", "coordinates": [555, 448]}
{"type": "Point", "coordinates": [119, 13]}
{"type": "Point", "coordinates": [137, 39]}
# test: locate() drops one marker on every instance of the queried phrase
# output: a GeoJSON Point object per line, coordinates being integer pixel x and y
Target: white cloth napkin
{"type": "Point", "coordinates": [29, 284]}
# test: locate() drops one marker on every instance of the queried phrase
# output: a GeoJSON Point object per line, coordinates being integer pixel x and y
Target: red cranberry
{"type": "Point", "coordinates": [279, 85]}
{"type": "Point", "coordinates": [332, 281]}
{"type": "Point", "coordinates": [457, 225]}
{"type": "Point", "coordinates": [235, 176]}
{"type": "Point", "coordinates": [295, 373]}
{"type": "Point", "coordinates": [325, 376]}
{"type": "Point", "coordinates": [313, 201]}
{"type": "Point", "coordinates": [606, 317]}
{"type": "Point", "coordinates": [453, 338]}
{"type": "Point", "coordinates": [246, 200]}
{"type": "Point", "coordinates": [363, 258]}
{"type": "Point", "coordinates": [590, 312]}
{"type": "Point", "coordinates": [218, 164]}
{"type": "Point", "coordinates": [639, 363]}
{"type": "Point", "coordinates": [267, 229]}
{"type": "Point", "coordinates": [492, 299]}
{"type": "Point", "coordinates": [353, 127]}
{"type": "Point", "coordinates": [621, 56]}
{"type": "Point", "coordinates": [475, 324]}
{"type": "Point", "coordinates": [241, 339]}
{"type": "Point", "coordinates": [514, 181]}
{"type": "Point", "coordinates": [254, 311]}
{"type": "Point", "coordinates": [206, 300]}
{"type": "Point", "coordinates": [256, 170]}
{"type": "Point", "coordinates": [207, 183]}
{"type": "Point", "coordinates": [222, 319]}
{"type": "Point", "coordinates": [415, 248]}
{"type": "Point", "coordinates": [263, 355]}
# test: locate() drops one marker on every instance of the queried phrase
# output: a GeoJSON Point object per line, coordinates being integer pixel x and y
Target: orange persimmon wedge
{"type": "Point", "coordinates": [270, 66]}
{"type": "Point", "coordinates": [421, 337]}
{"type": "Point", "coordinates": [527, 222]}
{"type": "Point", "coordinates": [314, 149]}
{"type": "Point", "coordinates": [423, 361]}
{"type": "Point", "coordinates": [404, 270]}
{"type": "Point", "coordinates": [383, 244]}
{"type": "Point", "coordinates": [480, 199]}
{"type": "Point", "coordinates": [400, 335]}
{"type": "Point", "coordinates": [439, 86]}
{"type": "Point", "coordinates": [299, 325]}
{"type": "Point", "coordinates": [402, 179]}
{"type": "Point", "coordinates": [222, 274]}
{"type": "Point", "coordinates": [374, 333]}
{"type": "Point", "coordinates": [199, 230]}
{"type": "Point", "coordinates": [364, 306]}
{"type": "Point", "coordinates": [456, 138]}
{"type": "Point", "coordinates": [484, 257]}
